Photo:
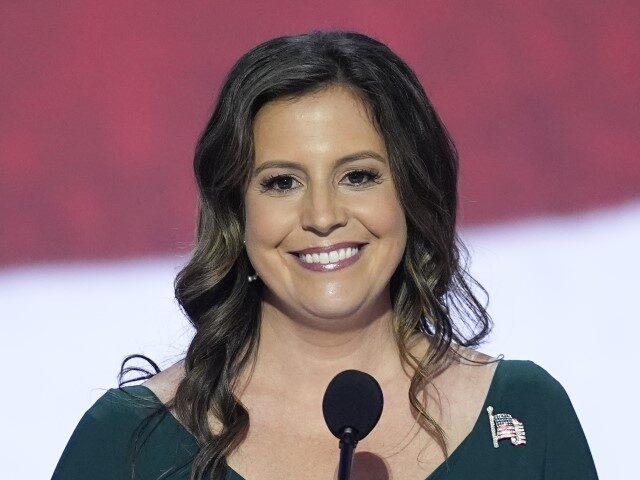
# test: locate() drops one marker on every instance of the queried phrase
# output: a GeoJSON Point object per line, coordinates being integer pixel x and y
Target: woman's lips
{"type": "Point", "coordinates": [330, 267]}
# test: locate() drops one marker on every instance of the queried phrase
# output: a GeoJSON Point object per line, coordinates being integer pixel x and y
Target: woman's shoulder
{"type": "Point", "coordinates": [511, 382]}
{"type": "Point", "coordinates": [164, 384]}
{"type": "Point", "coordinates": [120, 408]}
{"type": "Point", "coordinates": [537, 399]}
{"type": "Point", "coordinates": [525, 380]}
{"type": "Point", "coordinates": [125, 406]}
{"type": "Point", "coordinates": [528, 392]}
{"type": "Point", "coordinates": [116, 419]}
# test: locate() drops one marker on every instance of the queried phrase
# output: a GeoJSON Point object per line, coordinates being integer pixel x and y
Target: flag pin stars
{"type": "Point", "coordinates": [503, 426]}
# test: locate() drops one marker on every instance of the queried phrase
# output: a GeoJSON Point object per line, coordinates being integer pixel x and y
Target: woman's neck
{"type": "Point", "coordinates": [296, 358]}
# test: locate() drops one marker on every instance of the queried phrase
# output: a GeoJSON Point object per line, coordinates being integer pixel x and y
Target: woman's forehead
{"type": "Point", "coordinates": [321, 122]}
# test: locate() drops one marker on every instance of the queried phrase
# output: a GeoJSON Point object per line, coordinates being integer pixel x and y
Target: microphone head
{"type": "Point", "coordinates": [352, 399]}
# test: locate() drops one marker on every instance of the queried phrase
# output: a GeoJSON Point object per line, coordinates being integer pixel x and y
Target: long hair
{"type": "Point", "coordinates": [430, 289]}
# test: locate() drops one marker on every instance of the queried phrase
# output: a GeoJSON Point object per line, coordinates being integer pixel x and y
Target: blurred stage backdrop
{"type": "Point", "coordinates": [101, 106]}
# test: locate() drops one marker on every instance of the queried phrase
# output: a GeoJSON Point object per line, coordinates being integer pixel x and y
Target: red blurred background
{"type": "Point", "coordinates": [102, 103]}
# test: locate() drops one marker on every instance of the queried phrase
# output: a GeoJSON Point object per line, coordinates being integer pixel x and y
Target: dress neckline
{"type": "Point", "coordinates": [439, 470]}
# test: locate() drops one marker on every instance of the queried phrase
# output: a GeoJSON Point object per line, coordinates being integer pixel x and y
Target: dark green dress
{"type": "Point", "coordinates": [555, 449]}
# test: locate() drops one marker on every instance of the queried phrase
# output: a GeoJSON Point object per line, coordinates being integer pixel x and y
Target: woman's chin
{"type": "Point", "coordinates": [344, 312]}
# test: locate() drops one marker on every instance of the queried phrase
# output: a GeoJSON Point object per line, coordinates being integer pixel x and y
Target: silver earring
{"type": "Point", "coordinates": [254, 277]}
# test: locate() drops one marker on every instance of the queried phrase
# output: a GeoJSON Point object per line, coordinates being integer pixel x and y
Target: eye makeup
{"type": "Point", "coordinates": [268, 184]}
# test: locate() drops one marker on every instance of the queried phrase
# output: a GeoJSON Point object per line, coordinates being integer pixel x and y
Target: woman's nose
{"type": "Point", "coordinates": [322, 210]}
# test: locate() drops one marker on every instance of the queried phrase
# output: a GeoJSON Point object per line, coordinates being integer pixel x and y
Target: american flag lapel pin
{"type": "Point", "coordinates": [504, 425]}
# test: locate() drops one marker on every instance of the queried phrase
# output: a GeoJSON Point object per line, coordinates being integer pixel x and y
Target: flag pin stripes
{"type": "Point", "coordinates": [503, 426]}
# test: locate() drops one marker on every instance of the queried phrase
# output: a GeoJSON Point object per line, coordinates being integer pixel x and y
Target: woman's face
{"type": "Point", "coordinates": [306, 192]}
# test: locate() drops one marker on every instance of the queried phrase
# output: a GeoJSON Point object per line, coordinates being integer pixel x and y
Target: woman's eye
{"type": "Point", "coordinates": [283, 183]}
{"type": "Point", "coordinates": [363, 175]}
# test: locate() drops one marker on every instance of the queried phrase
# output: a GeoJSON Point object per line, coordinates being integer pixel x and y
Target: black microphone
{"type": "Point", "coordinates": [352, 406]}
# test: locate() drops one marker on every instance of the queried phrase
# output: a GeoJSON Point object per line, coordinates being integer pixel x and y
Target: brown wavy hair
{"type": "Point", "coordinates": [431, 287]}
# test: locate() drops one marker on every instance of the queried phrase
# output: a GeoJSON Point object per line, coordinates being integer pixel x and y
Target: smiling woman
{"type": "Point", "coordinates": [326, 242]}
{"type": "Point", "coordinates": [338, 194]}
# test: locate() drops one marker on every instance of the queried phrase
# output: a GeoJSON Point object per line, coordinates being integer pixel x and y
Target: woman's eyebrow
{"type": "Point", "coordinates": [299, 166]}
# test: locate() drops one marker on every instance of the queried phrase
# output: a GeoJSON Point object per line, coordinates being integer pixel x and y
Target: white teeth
{"type": "Point", "coordinates": [331, 257]}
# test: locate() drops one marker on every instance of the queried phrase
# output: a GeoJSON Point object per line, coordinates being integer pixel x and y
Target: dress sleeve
{"type": "Point", "coordinates": [567, 453]}
{"type": "Point", "coordinates": [98, 445]}
{"type": "Point", "coordinates": [127, 431]}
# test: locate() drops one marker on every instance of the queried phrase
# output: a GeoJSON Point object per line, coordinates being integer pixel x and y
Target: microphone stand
{"type": "Point", "coordinates": [348, 442]}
